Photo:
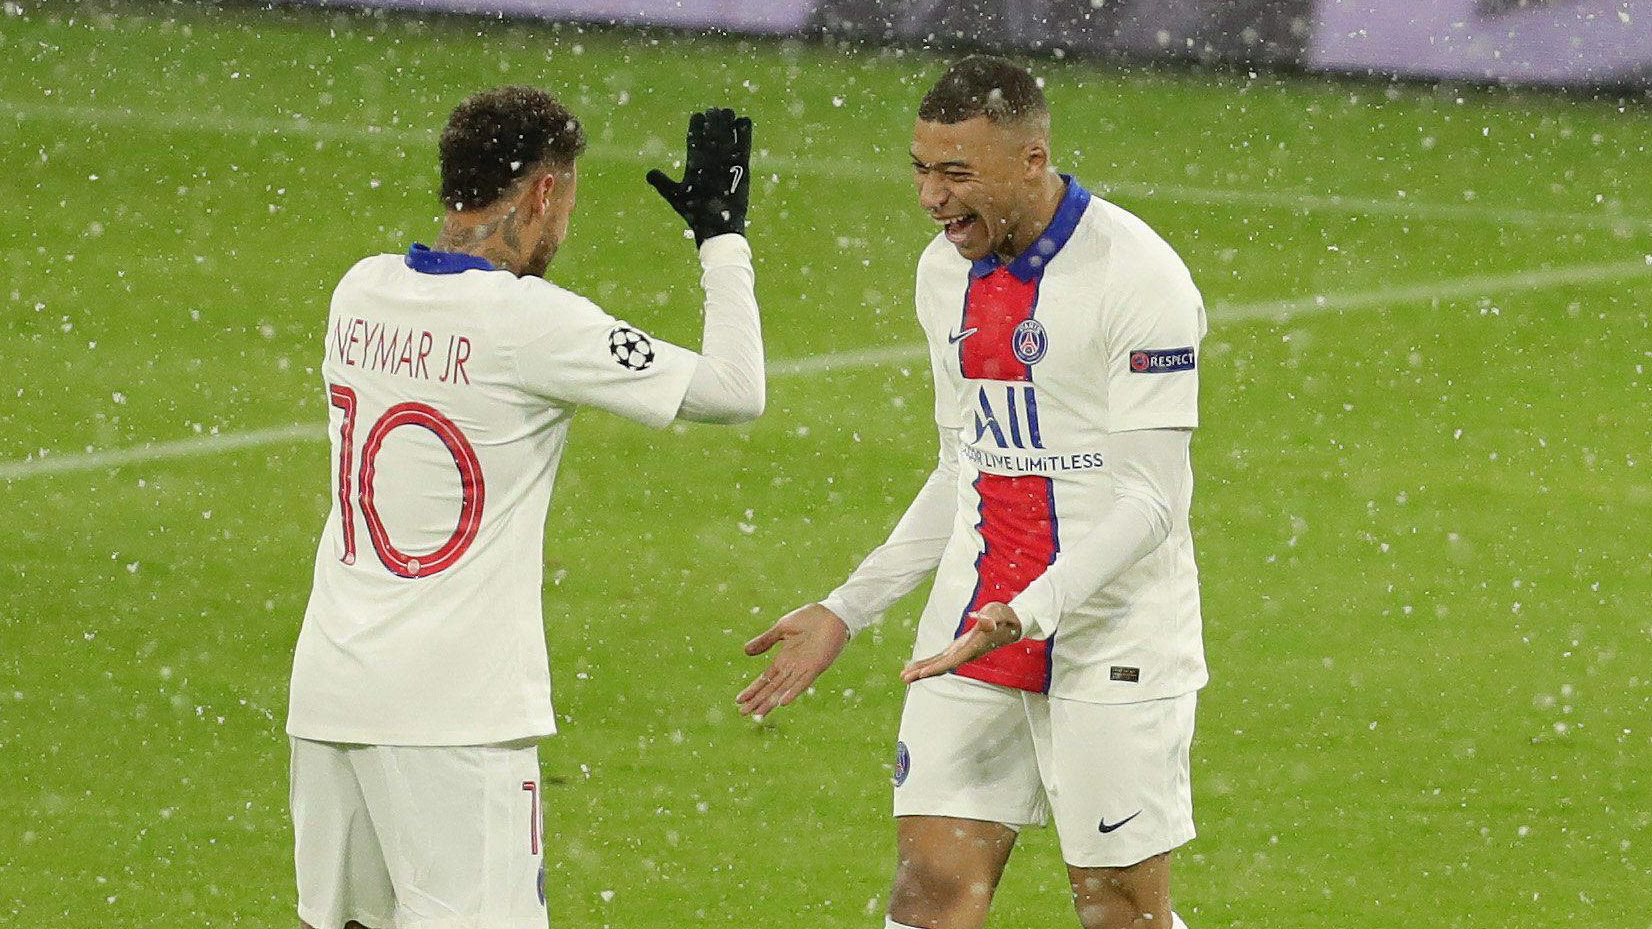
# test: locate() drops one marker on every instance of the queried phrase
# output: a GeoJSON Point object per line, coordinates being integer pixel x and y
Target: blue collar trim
{"type": "Point", "coordinates": [424, 260]}
{"type": "Point", "coordinates": [1031, 262]}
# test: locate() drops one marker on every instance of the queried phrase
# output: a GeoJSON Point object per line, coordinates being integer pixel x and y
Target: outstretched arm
{"type": "Point", "coordinates": [727, 386]}
{"type": "Point", "coordinates": [812, 637]}
{"type": "Point", "coordinates": [712, 198]}
{"type": "Point", "coordinates": [913, 550]}
{"type": "Point", "coordinates": [582, 355]}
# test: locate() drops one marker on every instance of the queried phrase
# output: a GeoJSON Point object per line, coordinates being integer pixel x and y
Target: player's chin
{"type": "Point", "coordinates": [974, 247]}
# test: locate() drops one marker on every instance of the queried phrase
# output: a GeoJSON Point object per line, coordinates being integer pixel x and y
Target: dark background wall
{"type": "Point", "coordinates": [1599, 43]}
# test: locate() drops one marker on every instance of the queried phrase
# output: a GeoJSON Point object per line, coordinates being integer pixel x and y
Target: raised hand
{"type": "Point", "coordinates": [996, 625]}
{"type": "Point", "coordinates": [810, 639]}
{"type": "Point", "coordinates": [716, 185]}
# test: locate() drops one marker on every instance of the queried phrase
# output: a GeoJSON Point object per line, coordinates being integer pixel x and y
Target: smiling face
{"type": "Point", "coordinates": [980, 180]}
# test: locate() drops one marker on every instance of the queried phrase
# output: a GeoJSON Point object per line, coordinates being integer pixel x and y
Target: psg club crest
{"type": "Point", "coordinates": [630, 348]}
{"type": "Point", "coordinates": [1030, 342]}
{"type": "Point", "coordinates": [903, 763]}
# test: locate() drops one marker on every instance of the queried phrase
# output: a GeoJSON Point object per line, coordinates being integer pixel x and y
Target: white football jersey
{"type": "Point", "coordinates": [452, 388]}
{"type": "Point", "coordinates": [1094, 330]}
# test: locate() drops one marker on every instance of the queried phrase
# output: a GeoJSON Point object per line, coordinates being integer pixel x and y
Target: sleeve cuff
{"type": "Point", "coordinates": [724, 250]}
{"type": "Point", "coordinates": [1036, 610]}
{"type": "Point", "coordinates": [855, 619]}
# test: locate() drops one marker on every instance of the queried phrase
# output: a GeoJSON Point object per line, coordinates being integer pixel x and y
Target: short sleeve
{"type": "Point", "coordinates": [575, 353]}
{"type": "Point", "coordinates": [1154, 322]}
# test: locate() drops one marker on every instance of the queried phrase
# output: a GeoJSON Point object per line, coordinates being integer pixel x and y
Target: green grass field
{"type": "Point", "coordinates": [1422, 503]}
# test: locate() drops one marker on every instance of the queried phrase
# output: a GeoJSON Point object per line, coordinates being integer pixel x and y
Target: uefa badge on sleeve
{"type": "Point", "coordinates": [1162, 360]}
{"type": "Point", "coordinates": [630, 348]}
{"type": "Point", "coordinates": [1030, 342]}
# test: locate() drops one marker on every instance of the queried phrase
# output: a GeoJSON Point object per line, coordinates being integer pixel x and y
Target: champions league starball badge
{"type": "Point", "coordinates": [630, 348]}
{"type": "Point", "coordinates": [1030, 342]}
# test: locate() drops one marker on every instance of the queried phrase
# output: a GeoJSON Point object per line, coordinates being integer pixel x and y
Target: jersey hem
{"type": "Point", "coordinates": [1001, 678]}
{"type": "Point", "coordinates": [441, 740]}
{"type": "Point", "coordinates": [1133, 697]}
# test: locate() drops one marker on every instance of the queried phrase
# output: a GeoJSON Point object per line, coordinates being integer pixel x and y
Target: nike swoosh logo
{"type": "Point", "coordinates": [959, 337]}
{"type": "Point", "coordinates": [738, 173]}
{"type": "Point", "coordinates": [1106, 828]}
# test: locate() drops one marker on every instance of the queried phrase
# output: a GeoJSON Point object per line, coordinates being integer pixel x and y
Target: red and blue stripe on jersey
{"type": "Point", "coordinates": [1019, 541]}
{"type": "Point", "coordinates": [1020, 533]}
{"type": "Point", "coordinates": [996, 303]}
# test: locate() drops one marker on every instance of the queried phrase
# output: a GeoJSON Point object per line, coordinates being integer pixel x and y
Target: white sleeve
{"type": "Point", "coordinates": [912, 552]}
{"type": "Point", "coordinates": [1150, 470]}
{"type": "Point", "coordinates": [579, 354]}
{"type": "Point", "coordinates": [1153, 321]}
{"type": "Point", "coordinates": [727, 386]}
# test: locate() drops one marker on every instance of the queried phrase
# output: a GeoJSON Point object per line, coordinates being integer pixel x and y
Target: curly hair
{"type": "Point", "coordinates": [496, 137]}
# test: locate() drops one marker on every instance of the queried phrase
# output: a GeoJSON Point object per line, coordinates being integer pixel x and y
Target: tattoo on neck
{"type": "Point", "coordinates": [498, 240]}
{"type": "Point", "coordinates": [508, 232]}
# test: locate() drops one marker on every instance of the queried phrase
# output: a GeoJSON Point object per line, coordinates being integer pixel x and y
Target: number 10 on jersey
{"type": "Point", "coordinates": [474, 490]}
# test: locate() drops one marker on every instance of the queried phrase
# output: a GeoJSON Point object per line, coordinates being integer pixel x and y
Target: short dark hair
{"type": "Point", "coordinates": [984, 85]}
{"type": "Point", "coordinates": [498, 136]}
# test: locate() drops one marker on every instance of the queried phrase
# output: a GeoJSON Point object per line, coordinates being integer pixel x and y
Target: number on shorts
{"type": "Point", "coordinates": [532, 789]}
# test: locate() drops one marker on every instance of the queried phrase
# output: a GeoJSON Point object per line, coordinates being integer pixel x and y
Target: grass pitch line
{"type": "Point", "coordinates": [160, 451]}
{"type": "Point", "coordinates": [1456, 289]}
{"type": "Point", "coordinates": [1317, 203]}
{"type": "Point", "coordinates": [846, 360]}
{"type": "Point", "coordinates": [832, 168]}
{"type": "Point", "coordinates": [1462, 288]}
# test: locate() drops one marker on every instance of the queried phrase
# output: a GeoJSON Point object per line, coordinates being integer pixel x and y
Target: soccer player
{"type": "Point", "coordinates": [420, 685]}
{"type": "Point", "coordinates": [1063, 336]}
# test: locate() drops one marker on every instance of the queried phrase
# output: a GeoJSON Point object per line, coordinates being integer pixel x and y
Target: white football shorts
{"type": "Point", "coordinates": [411, 837]}
{"type": "Point", "coordinates": [1115, 775]}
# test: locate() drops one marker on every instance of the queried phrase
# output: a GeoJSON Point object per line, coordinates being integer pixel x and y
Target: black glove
{"type": "Point", "coordinates": [716, 182]}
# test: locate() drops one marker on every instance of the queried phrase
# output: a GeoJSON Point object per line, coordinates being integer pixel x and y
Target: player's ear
{"type": "Point", "coordinates": [544, 189]}
{"type": "Point", "coordinates": [1036, 158]}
